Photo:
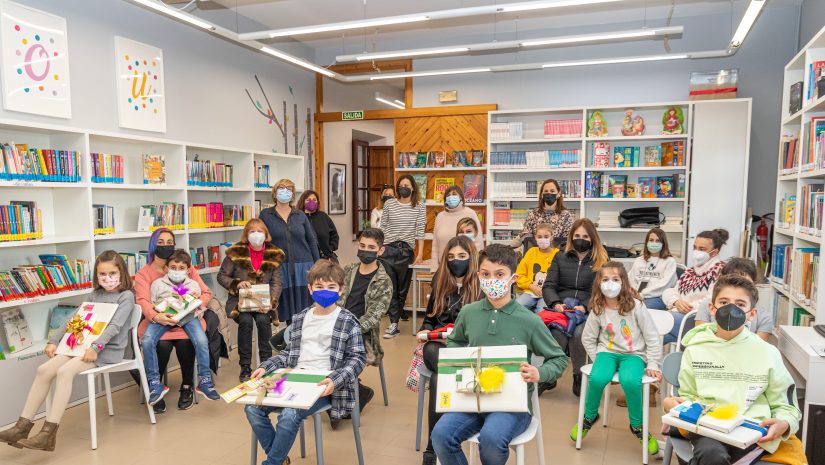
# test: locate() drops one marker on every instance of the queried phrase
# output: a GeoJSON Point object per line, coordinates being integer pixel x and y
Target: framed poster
{"type": "Point", "coordinates": [141, 101]}
{"type": "Point", "coordinates": [336, 188]}
{"type": "Point", "coordinates": [35, 68]}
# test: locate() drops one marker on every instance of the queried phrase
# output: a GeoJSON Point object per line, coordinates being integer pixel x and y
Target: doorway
{"type": "Point", "coordinates": [373, 170]}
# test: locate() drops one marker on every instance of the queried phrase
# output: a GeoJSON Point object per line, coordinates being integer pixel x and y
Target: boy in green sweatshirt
{"type": "Point", "coordinates": [496, 321]}
{"type": "Point", "coordinates": [725, 363]}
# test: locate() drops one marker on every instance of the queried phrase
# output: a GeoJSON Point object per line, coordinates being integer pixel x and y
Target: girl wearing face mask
{"type": "Point", "coordinates": [252, 260]}
{"type": "Point", "coordinates": [321, 223]}
{"type": "Point", "coordinates": [570, 279]}
{"type": "Point", "coordinates": [619, 335]}
{"type": "Point", "coordinates": [112, 286]}
{"type": "Point", "coordinates": [532, 270]}
{"type": "Point", "coordinates": [550, 210]}
{"type": "Point", "coordinates": [446, 222]}
{"type": "Point", "coordinates": [695, 284]}
{"type": "Point", "coordinates": [468, 228]}
{"type": "Point", "coordinates": [388, 192]}
{"type": "Point", "coordinates": [655, 270]}
{"type": "Point", "coordinates": [291, 232]}
{"type": "Point", "coordinates": [454, 285]}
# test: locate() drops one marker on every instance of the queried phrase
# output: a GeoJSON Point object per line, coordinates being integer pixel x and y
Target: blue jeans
{"type": "Point", "coordinates": [528, 301]}
{"type": "Point", "coordinates": [496, 430]}
{"type": "Point", "coordinates": [152, 336]}
{"type": "Point", "coordinates": [277, 441]}
{"type": "Point", "coordinates": [655, 303]}
{"type": "Point", "coordinates": [673, 335]}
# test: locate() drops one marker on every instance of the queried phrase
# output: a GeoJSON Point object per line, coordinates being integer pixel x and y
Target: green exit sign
{"type": "Point", "coordinates": [352, 115]}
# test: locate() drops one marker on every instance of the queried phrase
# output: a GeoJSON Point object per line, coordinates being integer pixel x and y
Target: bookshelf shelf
{"type": "Point", "coordinates": [510, 227]}
{"type": "Point", "coordinates": [218, 189]}
{"type": "Point", "coordinates": [37, 348]}
{"type": "Point", "coordinates": [638, 168]}
{"type": "Point", "coordinates": [42, 185]}
{"type": "Point", "coordinates": [123, 235]}
{"type": "Point", "coordinates": [534, 169]}
{"type": "Point", "coordinates": [44, 298]}
{"type": "Point", "coordinates": [555, 140]}
{"type": "Point", "coordinates": [263, 189]}
{"type": "Point", "coordinates": [784, 231]}
{"type": "Point", "coordinates": [792, 119]}
{"type": "Point", "coordinates": [446, 168]}
{"type": "Point", "coordinates": [433, 203]}
{"type": "Point", "coordinates": [788, 177]}
{"type": "Point", "coordinates": [45, 241]}
{"type": "Point", "coordinates": [138, 187]}
{"type": "Point", "coordinates": [808, 238]}
{"type": "Point", "coordinates": [209, 270]}
{"type": "Point", "coordinates": [816, 105]}
{"type": "Point", "coordinates": [602, 199]}
{"type": "Point", "coordinates": [645, 137]}
{"type": "Point", "coordinates": [211, 230]}
{"type": "Point", "coordinates": [812, 174]}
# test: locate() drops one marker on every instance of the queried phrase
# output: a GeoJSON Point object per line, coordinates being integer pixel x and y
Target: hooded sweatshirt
{"type": "Point", "coordinates": [745, 371]}
{"type": "Point", "coordinates": [632, 334]}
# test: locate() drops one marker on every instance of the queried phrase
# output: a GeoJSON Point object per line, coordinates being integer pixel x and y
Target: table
{"type": "Point", "coordinates": [795, 345]}
{"type": "Point", "coordinates": [416, 269]}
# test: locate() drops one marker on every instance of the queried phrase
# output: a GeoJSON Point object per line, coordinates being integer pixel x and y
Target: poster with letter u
{"type": "Point", "coordinates": [141, 101]}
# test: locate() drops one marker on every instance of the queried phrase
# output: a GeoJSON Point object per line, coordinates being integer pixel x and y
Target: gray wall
{"type": "Point", "coordinates": [811, 20]}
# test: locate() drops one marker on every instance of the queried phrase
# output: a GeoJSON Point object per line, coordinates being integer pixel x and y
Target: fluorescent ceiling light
{"type": "Point", "coordinates": [514, 44]}
{"type": "Point", "coordinates": [428, 73]}
{"type": "Point", "coordinates": [297, 61]}
{"type": "Point", "coordinates": [608, 61]}
{"type": "Point", "coordinates": [384, 100]}
{"type": "Point", "coordinates": [411, 18]}
{"type": "Point", "coordinates": [398, 102]}
{"type": "Point", "coordinates": [754, 8]}
{"type": "Point", "coordinates": [175, 13]}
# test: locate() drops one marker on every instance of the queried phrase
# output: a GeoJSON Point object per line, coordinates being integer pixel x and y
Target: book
{"type": "Point", "coordinates": [795, 98]}
{"type": "Point", "coordinates": [17, 331]}
{"type": "Point", "coordinates": [460, 158]}
{"type": "Point", "coordinates": [421, 182]}
{"type": "Point", "coordinates": [254, 299]}
{"type": "Point", "coordinates": [421, 160]}
{"type": "Point", "coordinates": [697, 413]}
{"type": "Point", "coordinates": [95, 316]}
{"type": "Point", "coordinates": [107, 168]}
{"type": "Point", "coordinates": [437, 159]}
{"type": "Point", "coordinates": [154, 169]}
{"type": "Point", "coordinates": [214, 256]}
{"type": "Point", "coordinates": [58, 316]}
{"type": "Point", "coordinates": [104, 217]}
{"type": "Point", "coordinates": [653, 155]}
{"type": "Point", "coordinates": [673, 153]}
{"type": "Point", "coordinates": [626, 156]}
{"type": "Point", "coordinates": [477, 158]}
{"type": "Point", "coordinates": [473, 189]}
{"type": "Point", "coordinates": [601, 154]}
{"type": "Point", "coordinates": [440, 185]}
{"type": "Point", "coordinates": [740, 437]}
{"type": "Point", "coordinates": [209, 173]}
{"type": "Point", "coordinates": [648, 187]}
{"type": "Point", "coordinates": [261, 175]}
{"type": "Point", "coordinates": [617, 186]}
{"type": "Point", "coordinates": [665, 187]}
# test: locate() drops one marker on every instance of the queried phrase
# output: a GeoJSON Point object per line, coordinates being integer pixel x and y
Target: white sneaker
{"type": "Point", "coordinates": [391, 331]}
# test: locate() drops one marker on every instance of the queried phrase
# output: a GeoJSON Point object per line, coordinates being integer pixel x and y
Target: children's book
{"type": "Point", "coordinates": [601, 154]}
{"type": "Point", "coordinates": [648, 187]}
{"type": "Point", "coordinates": [626, 156]}
{"type": "Point", "coordinates": [460, 158]}
{"type": "Point", "coordinates": [214, 255]}
{"type": "Point", "coordinates": [88, 322]}
{"type": "Point", "coordinates": [421, 182]}
{"type": "Point", "coordinates": [154, 169]}
{"type": "Point", "coordinates": [297, 389]}
{"type": "Point", "coordinates": [478, 157]}
{"type": "Point", "coordinates": [618, 185]}
{"type": "Point", "coordinates": [421, 160]}
{"type": "Point", "coordinates": [254, 299]}
{"type": "Point", "coordinates": [18, 333]}
{"type": "Point", "coordinates": [58, 318]}
{"type": "Point", "coordinates": [653, 155]}
{"type": "Point", "coordinates": [437, 159]}
{"type": "Point", "coordinates": [664, 187]}
{"type": "Point", "coordinates": [473, 188]}
{"type": "Point", "coordinates": [440, 185]}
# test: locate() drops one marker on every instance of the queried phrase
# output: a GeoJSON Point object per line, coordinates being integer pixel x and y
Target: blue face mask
{"type": "Point", "coordinates": [325, 297]}
{"type": "Point", "coordinates": [452, 201]}
{"type": "Point", "coordinates": [283, 195]}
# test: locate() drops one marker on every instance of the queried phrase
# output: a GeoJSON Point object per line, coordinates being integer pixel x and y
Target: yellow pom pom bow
{"type": "Point", "coordinates": [491, 379]}
{"type": "Point", "coordinates": [724, 412]}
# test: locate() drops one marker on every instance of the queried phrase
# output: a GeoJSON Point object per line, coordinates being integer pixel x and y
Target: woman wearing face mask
{"type": "Point", "coordinates": [694, 286]}
{"type": "Point", "coordinates": [403, 222]}
{"type": "Point", "coordinates": [568, 286]}
{"type": "Point", "coordinates": [655, 270]}
{"type": "Point", "coordinates": [550, 210]}
{"type": "Point", "coordinates": [253, 260]}
{"type": "Point", "coordinates": [447, 221]}
{"type": "Point", "coordinates": [454, 285]}
{"type": "Point", "coordinates": [321, 223]}
{"type": "Point", "coordinates": [291, 232]}
{"type": "Point", "coordinates": [388, 192]}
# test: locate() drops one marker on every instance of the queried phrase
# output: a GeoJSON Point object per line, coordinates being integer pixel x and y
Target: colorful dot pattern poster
{"type": "Point", "coordinates": [35, 69]}
{"type": "Point", "coordinates": [141, 103]}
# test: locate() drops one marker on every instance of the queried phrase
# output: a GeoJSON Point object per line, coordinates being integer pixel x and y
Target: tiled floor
{"type": "Point", "coordinates": [213, 433]}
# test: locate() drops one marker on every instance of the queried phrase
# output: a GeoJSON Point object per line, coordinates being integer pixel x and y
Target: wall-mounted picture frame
{"type": "Point", "coordinates": [141, 100]}
{"type": "Point", "coordinates": [337, 188]}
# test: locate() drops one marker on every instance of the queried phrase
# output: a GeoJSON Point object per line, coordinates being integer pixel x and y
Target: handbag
{"type": "Point", "coordinates": [641, 215]}
{"type": "Point", "coordinates": [413, 377]}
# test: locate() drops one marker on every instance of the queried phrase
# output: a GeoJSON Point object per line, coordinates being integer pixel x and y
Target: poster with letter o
{"type": "Point", "coordinates": [35, 68]}
{"type": "Point", "coordinates": [141, 102]}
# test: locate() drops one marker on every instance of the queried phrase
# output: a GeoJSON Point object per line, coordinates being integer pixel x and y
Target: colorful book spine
{"type": "Point", "coordinates": [57, 274]}
{"type": "Point", "coordinates": [262, 175]}
{"type": "Point", "coordinates": [209, 173]}
{"type": "Point", "coordinates": [22, 163]}
{"type": "Point", "coordinates": [107, 168]}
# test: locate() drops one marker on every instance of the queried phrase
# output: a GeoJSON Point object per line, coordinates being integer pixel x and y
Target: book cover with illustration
{"type": "Point", "coordinates": [421, 182]}
{"type": "Point", "coordinates": [601, 154]}
{"type": "Point", "coordinates": [437, 159]}
{"type": "Point", "coordinates": [460, 158]}
{"type": "Point", "coordinates": [421, 160]}
{"type": "Point", "coordinates": [474, 188]}
{"type": "Point", "coordinates": [154, 169]}
{"type": "Point", "coordinates": [648, 187]}
{"type": "Point", "coordinates": [664, 187]}
{"type": "Point", "coordinates": [439, 186]}
{"type": "Point", "coordinates": [16, 328]}
{"type": "Point", "coordinates": [653, 155]}
{"type": "Point", "coordinates": [478, 158]}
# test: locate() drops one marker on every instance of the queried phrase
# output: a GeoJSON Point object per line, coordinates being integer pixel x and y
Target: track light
{"type": "Point", "coordinates": [427, 73]}
{"type": "Point", "coordinates": [754, 8]}
{"type": "Point", "coordinates": [297, 61]}
{"type": "Point", "coordinates": [160, 7]}
{"type": "Point", "coordinates": [528, 6]}
{"type": "Point", "coordinates": [609, 61]}
{"type": "Point", "coordinates": [395, 104]}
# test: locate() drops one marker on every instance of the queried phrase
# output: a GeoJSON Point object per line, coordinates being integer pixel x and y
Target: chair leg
{"type": "Point", "coordinates": [144, 387]}
{"type": "Point", "coordinates": [606, 407]}
{"type": "Point", "coordinates": [540, 443]}
{"type": "Point", "coordinates": [303, 442]}
{"type": "Point", "coordinates": [107, 385]}
{"type": "Point", "coordinates": [419, 419]}
{"type": "Point", "coordinates": [90, 379]}
{"type": "Point", "coordinates": [383, 383]}
{"type": "Point", "coordinates": [645, 414]}
{"type": "Point", "coordinates": [520, 454]}
{"type": "Point", "coordinates": [356, 430]}
{"type": "Point", "coordinates": [253, 450]}
{"type": "Point", "coordinates": [473, 449]}
{"type": "Point", "coordinates": [668, 455]}
{"type": "Point", "coordinates": [585, 379]}
{"type": "Point", "coordinates": [319, 439]}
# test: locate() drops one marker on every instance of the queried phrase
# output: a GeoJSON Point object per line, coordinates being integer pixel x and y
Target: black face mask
{"type": "Point", "coordinates": [164, 251]}
{"type": "Point", "coordinates": [549, 199]}
{"type": "Point", "coordinates": [384, 198]}
{"type": "Point", "coordinates": [367, 256]}
{"type": "Point", "coordinates": [404, 192]}
{"type": "Point", "coordinates": [459, 267]}
{"type": "Point", "coordinates": [730, 317]}
{"type": "Point", "coordinates": [582, 245]}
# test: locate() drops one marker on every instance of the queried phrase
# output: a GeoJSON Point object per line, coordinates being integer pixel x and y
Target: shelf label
{"type": "Point", "coordinates": [352, 115]}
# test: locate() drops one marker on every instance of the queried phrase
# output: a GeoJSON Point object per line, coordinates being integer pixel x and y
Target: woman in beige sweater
{"type": "Point", "coordinates": [447, 220]}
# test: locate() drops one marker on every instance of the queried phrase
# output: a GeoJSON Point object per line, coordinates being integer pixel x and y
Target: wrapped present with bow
{"type": "Point", "coordinates": [254, 299]}
{"type": "Point", "coordinates": [717, 421]}
{"type": "Point", "coordinates": [297, 389]}
{"type": "Point", "coordinates": [482, 379]}
{"type": "Point", "coordinates": [178, 303]}
{"type": "Point", "coordinates": [84, 327]}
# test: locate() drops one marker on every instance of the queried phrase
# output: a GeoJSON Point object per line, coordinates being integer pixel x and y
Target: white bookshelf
{"type": "Point", "coordinates": [792, 183]}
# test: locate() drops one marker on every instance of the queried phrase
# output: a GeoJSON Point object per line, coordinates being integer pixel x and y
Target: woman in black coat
{"type": "Point", "coordinates": [321, 223]}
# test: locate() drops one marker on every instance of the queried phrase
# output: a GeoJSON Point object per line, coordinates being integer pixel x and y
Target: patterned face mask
{"type": "Point", "coordinates": [495, 288]}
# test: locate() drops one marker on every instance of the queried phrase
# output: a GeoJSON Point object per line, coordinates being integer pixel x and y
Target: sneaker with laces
{"type": "Point", "coordinates": [160, 407]}
{"type": "Point", "coordinates": [187, 397]}
{"type": "Point", "coordinates": [206, 388]}
{"type": "Point", "coordinates": [156, 391]}
{"type": "Point", "coordinates": [392, 331]}
{"type": "Point", "coordinates": [652, 443]}
{"type": "Point", "coordinates": [586, 426]}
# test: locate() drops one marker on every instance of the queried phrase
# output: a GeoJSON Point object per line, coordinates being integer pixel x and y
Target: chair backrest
{"type": "Point", "coordinates": [670, 368]}
{"type": "Point", "coordinates": [688, 323]}
{"type": "Point", "coordinates": [136, 315]}
{"type": "Point", "coordinates": [680, 269]}
{"type": "Point", "coordinates": [534, 401]}
{"type": "Point", "coordinates": [138, 312]}
{"type": "Point", "coordinates": [662, 319]}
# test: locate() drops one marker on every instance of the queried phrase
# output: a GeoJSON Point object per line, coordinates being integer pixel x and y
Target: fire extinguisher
{"type": "Point", "coordinates": [762, 239]}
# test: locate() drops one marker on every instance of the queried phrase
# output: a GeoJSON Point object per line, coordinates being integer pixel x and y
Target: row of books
{"type": "Point", "coordinates": [107, 168]}
{"type": "Point", "coordinates": [135, 260]}
{"type": "Point", "coordinates": [503, 215]}
{"type": "Point", "coordinates": [570, 158]}
{"type": "Point", "coordinates": [787, 211]}
{"type": "Point", "coordinates": [57, 274]}
{"type": "Point", "coordinates": [261, 175]}
{"type": "Point", "coordinates": [562, 128]}
{"type": "Point", "coordinates": [20, 220]}
{"type": "Point", "coordinates": [814, 156]}
{"type": "Point", "coordinates": [506, 131]}
{"type": "Point", "coordinates": [797, 270]}
{"type": "Point", "coordinates": [104, 217]}
{"type": "Point", "coordinates": [208, 256]}
{"type": "Point", "coordinates": [816, 73]}
{"type": "Point", "coordinates": [21, 163]}
{"type": "Point", "coordinates": [164, 215]}
{"type": "Point", "coordinates": [473, 188]}
{"type": "Point", "coordinates": [526, 189]}
{"type": "Point", "coordinates": [441, 159]}
{"type": "Point", "coordinates": [664, 154]}
{"type": "Point", "coordinates": [810, 208]}
{"type": "Point", "coordinates": [218, 215]}
{"type": "Point", "coordinates": [603, 185]}
{"type": "Point", "coordinates": [209, 173]}
{"type": "Point", "coordinates": [789, 154]}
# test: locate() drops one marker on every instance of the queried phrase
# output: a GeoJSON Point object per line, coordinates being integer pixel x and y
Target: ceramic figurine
{"type": "Point", "coordinates": [673, 121]}
{"type": "Point", "coordinates": [596, 125]}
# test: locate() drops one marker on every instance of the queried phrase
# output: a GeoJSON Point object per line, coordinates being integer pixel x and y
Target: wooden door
{"type": "Point", "coordinates": [381, 172]}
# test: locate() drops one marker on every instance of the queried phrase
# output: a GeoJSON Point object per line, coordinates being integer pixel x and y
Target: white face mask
{"type": "Point", "coordinates": [176, 276]}
{"type": "Point", "coordinates": [611, 289]}
{"type": "Point", "coordinates": [470, 236]}
{"type": "Point", "coordinates": [256, 238]}
{"type": "Point", "coordinates": [543, 243]}
{"type": "Point", "coordinates": [700, 257]}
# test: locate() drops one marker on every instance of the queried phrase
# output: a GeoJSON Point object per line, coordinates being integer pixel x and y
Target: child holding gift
{"type": "Point", "coordinates": [176, 283]}
{"type": "Point", "coordinates": [497, 320]}
{"type": "Point", "coordinates": [323, 337]}
{"type": "Point", "coordinates": [111, 285]}
{"type": "Point", "coordinates": [755, 378]}
{"type": "Point", "coordinates": [619, 335]}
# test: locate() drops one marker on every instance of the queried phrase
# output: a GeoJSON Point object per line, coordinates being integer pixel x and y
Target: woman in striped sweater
{"type": "Point", "coordinates": [402, 221]}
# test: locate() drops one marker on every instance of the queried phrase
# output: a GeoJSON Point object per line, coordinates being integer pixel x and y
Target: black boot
{"type": "Point", "coordinates": [365, 395]}
{"type": "Point", "coordinates": [577, 385]}
{"type": "Point", "coordinates": [186, 398]}
{"type": "Point", "coordinates": [246, 373]}
{"type": "Point", "coordinates": [546, 387]}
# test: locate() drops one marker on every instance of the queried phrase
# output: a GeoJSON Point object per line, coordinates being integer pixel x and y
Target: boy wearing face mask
{"type": "Point", "coordinates": [496, 321]}
{"type": "Point", "coordinates": [177, 267]}
{"type": "Point", "coordinates": [366, 294]}
{"type": "Point", "coordinates": [725, 363]}
{"type": "Point", "coordinates": [533, 269]}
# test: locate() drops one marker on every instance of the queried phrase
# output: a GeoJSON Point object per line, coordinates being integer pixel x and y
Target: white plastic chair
{"type": "Point", "coordinates": [135, 363]}
{"type": "Point", "coordinates": [664, 323]}
{"type": "Point", "coordinates": [424, 375]}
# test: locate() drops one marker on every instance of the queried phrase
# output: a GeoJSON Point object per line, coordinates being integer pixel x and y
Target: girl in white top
{"type": "Point", "coordinates": [447, 221]}
{"type": "Point", "coordinates": [654, 271]}
{"type": "Point", "coordinates": [375, 217]}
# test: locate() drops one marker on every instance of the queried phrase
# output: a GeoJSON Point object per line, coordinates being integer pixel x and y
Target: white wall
{"type": "Point", "coordinates": [338, 149]}
{"type": "Point", "coordinates": [811, 20]}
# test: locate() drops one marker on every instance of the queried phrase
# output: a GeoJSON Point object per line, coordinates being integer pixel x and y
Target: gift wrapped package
{"type": "Point", "coordinates": [297, 389]}
{"type": "Point", "coordinates": [481, 379]}
{"type": "Point", "coordinates": [254, 299]}
{"type": "Point", "coordinates": [178, 306]}
{"type": "Point", "coordinates": [84, 327]}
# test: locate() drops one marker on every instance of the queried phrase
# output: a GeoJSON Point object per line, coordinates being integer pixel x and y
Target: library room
{"type": "Point", "coordinates": [349, 232]}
